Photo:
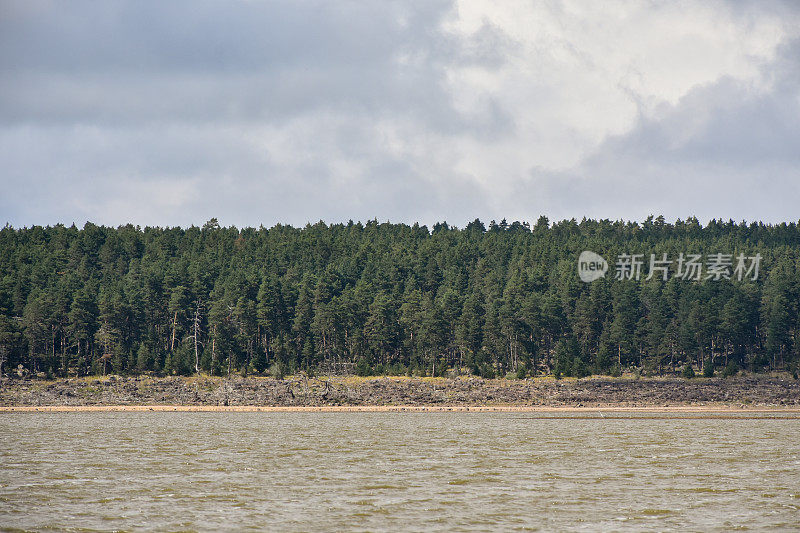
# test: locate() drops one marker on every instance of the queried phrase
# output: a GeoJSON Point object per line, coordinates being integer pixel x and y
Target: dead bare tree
{"type": "Point", "coordinates": [174, 330]}
{"type": "Point", "coordinates": [213, 348]}
{"type": "Point", "coordinates": [196, 334]}
{"type": "Point", "coordinates": [3, 355]}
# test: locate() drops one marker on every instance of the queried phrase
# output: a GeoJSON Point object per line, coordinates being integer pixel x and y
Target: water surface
{"type": "Point", "coordinates": [398, 471]}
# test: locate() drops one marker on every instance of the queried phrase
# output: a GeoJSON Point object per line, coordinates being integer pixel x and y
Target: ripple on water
{"type": "Point", "coordinates": [394, 471]}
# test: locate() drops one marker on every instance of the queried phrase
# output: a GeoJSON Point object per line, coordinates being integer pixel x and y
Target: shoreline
{"type": "Point", "coordinates": [402, 394]}
{"type": "Point", "coordinates": [678, 409]}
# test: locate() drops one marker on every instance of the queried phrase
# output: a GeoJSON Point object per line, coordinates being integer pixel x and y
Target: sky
{"type": "Point", "coordinates": [256, 113]}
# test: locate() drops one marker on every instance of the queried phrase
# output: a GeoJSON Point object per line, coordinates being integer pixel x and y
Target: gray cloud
{"type": "Point", "coordinates": [125, 62]}
{"type": "Point", "coordinates": [264, 112]}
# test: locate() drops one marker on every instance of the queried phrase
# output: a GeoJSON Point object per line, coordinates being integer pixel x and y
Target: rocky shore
{"type": "Point", "coordinates": [296, 391]}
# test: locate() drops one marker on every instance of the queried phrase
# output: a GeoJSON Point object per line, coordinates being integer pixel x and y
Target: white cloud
{"type": "Point", "coordinates": [582, 71]}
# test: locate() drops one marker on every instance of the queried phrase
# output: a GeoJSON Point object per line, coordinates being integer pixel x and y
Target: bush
{"type": "Point", "coordinates": [363, 368]}
{"type": "Point", "coordinates": [579, 368]}
{"type": "Point", "coordinates": [603, 363]}
{"type": "Point", "coordinates": [731, 370]}
{"type": "Point", "coordinates": [616, 371]}
{"type": "Point", "coordinates": [522, 372]}
{"type": "Point", "coordinates": [567, 351]}
{"type": "Point", "coordinates": [277, 370]}
{"type": "Point", "coordinates": [650, 366]}
{"type": "Point", "coordinates": [144, 359]}
{"type": "Point", "coordinates": [397, 369]}
{"type": "Point", "coordinates": [487, 372]}
{"type": "Point", "coordinates": [708, 369]}
{"type": "Point", "coordinates": [688, 371]}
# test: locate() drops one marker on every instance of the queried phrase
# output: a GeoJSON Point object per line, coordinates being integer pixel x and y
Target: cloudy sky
{"type": "Point", "coordinates": [170, 113]}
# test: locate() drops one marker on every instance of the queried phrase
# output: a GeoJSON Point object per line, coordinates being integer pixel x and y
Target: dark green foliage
{"type": "Point", "coordinates": [568, 357]}
{"type": "Point", "coordinates": [363, 367]}
{"type": "Point", "coordinates": [708, 368]}
{"type": "Point", "coordinates": [390, 299]}
{"type": "Point", "coordinates": [688, 371]}
{"type": "Point", "coordinates": [144, 358]}
{"type": "Point", "coordinates": [731, 370]}
{"type": "Point", "coordinates": [579, 368]}
{"type": "Point", "coordinates": [487, 372]}
{"type": "Point", "coordinates": [277, 370]}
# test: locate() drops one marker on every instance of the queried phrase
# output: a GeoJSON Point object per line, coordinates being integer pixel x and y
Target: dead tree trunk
{"type": "Point", "coordinates": [213, 348]}
{"type": "Point", "coordinates": [174, 327]}
{"type": "Point", "coordinates": [195, 335]}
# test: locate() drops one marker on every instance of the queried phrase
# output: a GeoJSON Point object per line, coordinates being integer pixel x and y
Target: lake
{"type": "Point", "coordinates": [457, 471]}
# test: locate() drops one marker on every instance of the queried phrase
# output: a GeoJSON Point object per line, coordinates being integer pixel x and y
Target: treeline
{"type": "Point", "coordinates": [392, 298]}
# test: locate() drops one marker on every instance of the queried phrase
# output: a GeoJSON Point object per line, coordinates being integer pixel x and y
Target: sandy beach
{"type": "Point", "coordinates": [715, 411]}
